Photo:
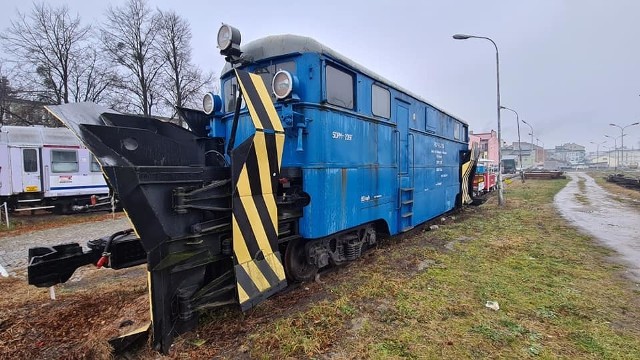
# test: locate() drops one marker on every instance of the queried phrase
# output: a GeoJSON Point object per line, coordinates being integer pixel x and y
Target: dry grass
{"type": "Point", "coordinates": [558, 295]}
{"type": "Point", "coordinates": [77, 325]}
{"type": "Point", "coordinates": [621, 194]}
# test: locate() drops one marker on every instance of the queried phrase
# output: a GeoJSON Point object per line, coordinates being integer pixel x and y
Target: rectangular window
{"type": "Point", "coordinates": [64, 161]}
{"type": "Point", "coordinates": [431, 118]}
{"type": "Point", "coordinates": [456, 130]}
{"type": "Point", "coordinates": [230, 93]}
{"type": "Point", "coordinates": [95, 166]}
{"type": "Point", "coordinates": [339, 87]}
{"type": "Point", "coordinates": [380, 101]}
{"type": "Point", "coordinates": [30, 160]}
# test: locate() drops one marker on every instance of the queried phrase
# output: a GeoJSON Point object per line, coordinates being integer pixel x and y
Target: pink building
{"type": "Point", "coordinates": [487, 144]}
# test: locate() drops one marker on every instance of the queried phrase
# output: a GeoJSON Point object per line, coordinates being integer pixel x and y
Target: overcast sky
{"type": "Point", "coordinates": [569, 67]}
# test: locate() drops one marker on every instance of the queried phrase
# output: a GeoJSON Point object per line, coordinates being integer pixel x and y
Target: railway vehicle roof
{"type": "Point", "coordinates": [278, 45]}
{"type": "Point", "coordinates": [37, 136]}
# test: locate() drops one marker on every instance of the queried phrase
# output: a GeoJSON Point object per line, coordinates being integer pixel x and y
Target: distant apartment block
{"type": "Point", "coordinates": [569, 153]}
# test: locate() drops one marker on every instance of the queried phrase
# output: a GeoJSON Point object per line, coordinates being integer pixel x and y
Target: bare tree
{"type": "Point", "coordinates": [129, 37]}
{"type": "Point", "coordinates": [43, 43]}
{"type": "Point", "coordinates": [6, 93]}
{"type": "Point", "coordinates": [92, 77]}
{"type": "Point", "coordinates": [183, 81]}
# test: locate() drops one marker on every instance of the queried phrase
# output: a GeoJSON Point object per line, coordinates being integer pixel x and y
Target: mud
{"type": "Point", "coordinates": [595, 211]}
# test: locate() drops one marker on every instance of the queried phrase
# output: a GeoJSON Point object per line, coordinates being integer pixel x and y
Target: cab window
{"type": "Point", "coordinates": [268, 72]}
{"type": "Point", "coordinates": [339, 86]}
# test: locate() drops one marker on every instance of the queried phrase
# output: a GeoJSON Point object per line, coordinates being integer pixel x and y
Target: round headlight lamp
{"type": "Point", "coordinates": [211, 103]}
{"type": "Point", "coordinates": [282, 84]}
{"type": "Point", "coordinates": [227, 37]}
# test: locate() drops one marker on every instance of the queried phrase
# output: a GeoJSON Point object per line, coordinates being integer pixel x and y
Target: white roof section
{"type": "Point", "coordinates": [280, 45]}
{"type": "Point", "coordinates": [37, 136]}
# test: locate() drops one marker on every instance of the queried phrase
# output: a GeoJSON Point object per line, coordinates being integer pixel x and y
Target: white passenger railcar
{"type": "Point", "coordinates": [48, 168]}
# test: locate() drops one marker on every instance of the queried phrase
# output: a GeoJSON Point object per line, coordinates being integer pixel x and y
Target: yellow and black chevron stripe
{"type": "Point", "coordinates": [255, 168]}
{"type": "Point", "coordinates": [466, 182]}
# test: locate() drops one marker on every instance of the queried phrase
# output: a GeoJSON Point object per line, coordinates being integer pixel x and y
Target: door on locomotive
{"type": "Point", "coordinates": [405, 163]}
{"type": "Point", "coordinates": [31, 179]}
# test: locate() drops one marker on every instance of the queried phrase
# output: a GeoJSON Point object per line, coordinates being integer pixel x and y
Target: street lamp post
{"type": "Point", "coordinates": [608, 155]}
{"type": "Point", "coordinates": [464, 37]}
{"type": "Point", "coordinates": [622, 138]}
{"type": "Point", "coordinates": [615, 148]}
{"type": "Point", "coordinates": [531, 146]}
{"type": "Point", "coordinates": [598, 152]}
{"type": "Point", "coordinates": [519, 142]}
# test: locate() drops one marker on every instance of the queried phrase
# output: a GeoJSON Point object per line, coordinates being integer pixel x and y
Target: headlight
{"type": "Point", "coordinates": [211, 103]}
{"type": "Point", "coordinates": [227, 37]}
{"type": "Point", "coordinates": [282, 84]}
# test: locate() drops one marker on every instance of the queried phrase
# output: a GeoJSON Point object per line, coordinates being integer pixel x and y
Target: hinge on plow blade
{"type": "Point", "coordinates": [213, 197]}
{"type": "Point", "coordinates": [53, 265]}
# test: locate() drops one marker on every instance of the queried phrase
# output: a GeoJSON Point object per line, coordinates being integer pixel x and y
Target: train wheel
{"type": "Point", "coordinates": [296, 266]}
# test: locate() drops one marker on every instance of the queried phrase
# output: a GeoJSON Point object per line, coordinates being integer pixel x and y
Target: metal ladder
{"type": "Point", "coordinates": [406, 209]}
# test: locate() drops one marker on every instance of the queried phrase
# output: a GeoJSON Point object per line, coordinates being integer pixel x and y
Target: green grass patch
{"type": "Point", "coordinates": [558, 295]}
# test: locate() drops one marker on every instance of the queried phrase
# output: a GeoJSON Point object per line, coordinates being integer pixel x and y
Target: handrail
{"type": "Point", "coordinates": [397, 160]}
{"type": "Point", "coordinates": [413, 158]}
{"type": "Point", "coordinates": [46, 182]}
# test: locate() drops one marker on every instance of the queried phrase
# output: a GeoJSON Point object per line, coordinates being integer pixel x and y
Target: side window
{"type": "Point", "coordinates": [431, 118]}
{"type": "Point", "coordinates": [30, 160]}
{"type": "Point", "coordinates": [230, 92]}
{"type": "Point", "coordinates": [64, 161]}
{"type": "Point", "coordinates": [456, 130]}
{"type": "Point", "coordinates": [339, 87]}
{"type": "Point", "coordinates": [380, 101]}
{"type": "Point", "coordinates": [95, 166]}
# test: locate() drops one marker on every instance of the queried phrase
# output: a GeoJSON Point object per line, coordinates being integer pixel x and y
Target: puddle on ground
{"type": "Point", "coordinates": [589, 207]}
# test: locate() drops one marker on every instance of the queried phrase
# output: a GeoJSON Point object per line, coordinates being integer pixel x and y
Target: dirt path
{"type": "Point", "coordinates": [589, 207]}
{"type": "Point", "coordinates": [14, 249]}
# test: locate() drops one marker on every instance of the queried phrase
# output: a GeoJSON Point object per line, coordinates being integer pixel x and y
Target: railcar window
{"type": "Point", "coordinates": [64, 161]}
{"type": "Point", "coordinates": [456, 130]}
{"type": "Point", "coordinates": [339, 87]}
{"type": "Point", "coordinates": [95, 166]}
{"type": "Point", "coordinates": [380, 101]}
{"type": "Point", "coordinates": [30, 160]}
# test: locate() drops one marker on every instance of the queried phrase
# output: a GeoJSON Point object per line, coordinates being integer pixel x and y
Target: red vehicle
{"type": "Point", "coordinates": [485, 179]}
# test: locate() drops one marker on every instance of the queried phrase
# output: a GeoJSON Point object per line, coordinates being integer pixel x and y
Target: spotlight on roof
{"type": "Point", "coordinates": [229, 41]}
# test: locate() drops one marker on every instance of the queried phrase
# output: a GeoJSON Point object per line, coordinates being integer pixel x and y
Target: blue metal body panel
{"type": "Point", "coordinates": [357, 167]}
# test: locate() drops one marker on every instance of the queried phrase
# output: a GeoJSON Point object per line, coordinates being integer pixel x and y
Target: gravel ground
{"type": "Point", "coordinates": [14, 249]}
